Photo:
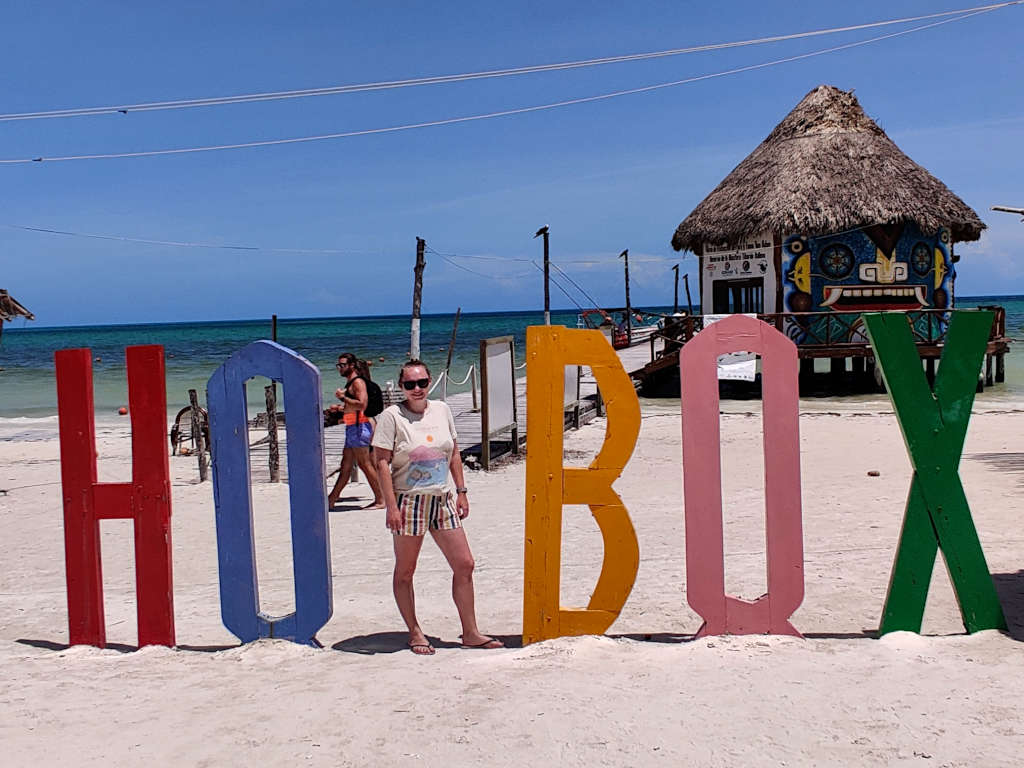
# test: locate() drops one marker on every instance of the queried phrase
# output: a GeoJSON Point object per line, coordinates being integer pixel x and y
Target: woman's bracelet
{"type": "Point", "coordinates": [462, 490]}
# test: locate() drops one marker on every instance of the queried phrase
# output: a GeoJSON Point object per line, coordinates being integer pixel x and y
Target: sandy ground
{"type": "Point", "coordinates": [646, 694]}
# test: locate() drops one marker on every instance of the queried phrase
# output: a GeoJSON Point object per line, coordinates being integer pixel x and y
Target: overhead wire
{"type": "Point", "coordinates": [481, 274]}
{"type": "Point", "coordinates": [589, 298]}
{"type": "Point", "coordinates": [186, 244]}
{"type": "Point", "coordinates": [496, 114]}
{"type": "Point", "coordinates": [559, 287]}
{"type": "Point", "coordinates": [484, 74]}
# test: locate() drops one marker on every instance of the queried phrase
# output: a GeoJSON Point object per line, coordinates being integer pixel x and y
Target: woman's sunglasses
{"type": "Point", "coordinates": [410, 384]}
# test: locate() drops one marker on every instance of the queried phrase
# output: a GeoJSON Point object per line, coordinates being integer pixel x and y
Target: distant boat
{"type": "Point", "coordinates": [618, 334]}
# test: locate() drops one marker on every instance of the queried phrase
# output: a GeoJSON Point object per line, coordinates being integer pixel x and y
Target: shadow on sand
{"type": "Point", "coordinates": [49, 645]}
{"type": "Point", "coordinates": [1010, 588]}
{"type": "Point", "coordinates": [393, 642]}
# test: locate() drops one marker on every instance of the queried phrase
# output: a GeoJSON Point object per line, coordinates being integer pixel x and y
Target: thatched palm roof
{"type": "Point", "coordinates": [827, 167]}
{"type": "Point", "coordinates": [10, 309]}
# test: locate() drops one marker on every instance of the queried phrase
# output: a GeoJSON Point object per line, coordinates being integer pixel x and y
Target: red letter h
{"type": "Point", "coordinates": [146, 499]}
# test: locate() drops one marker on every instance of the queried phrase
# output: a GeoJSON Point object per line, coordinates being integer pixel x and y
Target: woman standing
{"type": "Point", "coordinates": [418, 459]}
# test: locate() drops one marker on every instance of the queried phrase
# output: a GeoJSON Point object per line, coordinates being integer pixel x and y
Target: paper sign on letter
{"type": "Point", "coordinates": [702, 480]}
{"type": "Point", "coordinates": [549, 486]}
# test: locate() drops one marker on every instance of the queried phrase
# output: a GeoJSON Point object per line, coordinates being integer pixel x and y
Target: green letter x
{"type": "Point", "coordinates": [934, 425]}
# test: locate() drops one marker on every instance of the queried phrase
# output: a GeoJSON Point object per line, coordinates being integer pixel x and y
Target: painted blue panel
{"type": "Point", "coordinates": [891, 267]}
{"type": "Point", "coordinates": [229, 448]}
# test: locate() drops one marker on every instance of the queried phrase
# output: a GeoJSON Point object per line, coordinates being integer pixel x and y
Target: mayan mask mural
{"type": "Point", "coordinates": [881, 267]}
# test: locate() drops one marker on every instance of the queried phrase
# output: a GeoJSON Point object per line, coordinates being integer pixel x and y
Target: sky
{"type": "Point", "coordinates": [331, 225]}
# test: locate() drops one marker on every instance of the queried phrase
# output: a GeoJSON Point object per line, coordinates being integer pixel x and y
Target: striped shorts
{"type": "Point", "coordinates": [424, 511]}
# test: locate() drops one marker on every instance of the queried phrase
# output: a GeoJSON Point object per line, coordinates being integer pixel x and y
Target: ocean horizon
{"type": "Point", "coordinates": [193, 350]}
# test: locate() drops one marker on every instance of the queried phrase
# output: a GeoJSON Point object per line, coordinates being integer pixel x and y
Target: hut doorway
{"type": "Point", "coordinates": [730, 296]}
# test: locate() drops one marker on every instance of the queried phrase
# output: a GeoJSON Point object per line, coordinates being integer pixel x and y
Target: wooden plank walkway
{"type": "Point", "coordinates": [467, 420]}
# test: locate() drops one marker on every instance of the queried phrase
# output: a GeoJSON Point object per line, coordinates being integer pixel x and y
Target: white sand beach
{"type": "Point", "coordinates": [647, 694]}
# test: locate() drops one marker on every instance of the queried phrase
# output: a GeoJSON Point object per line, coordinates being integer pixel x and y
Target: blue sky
{"type": "Point", "coordinates": [614, 174]}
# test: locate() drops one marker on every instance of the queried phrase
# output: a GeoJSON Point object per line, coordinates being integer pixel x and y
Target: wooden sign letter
{"type": "Point", "coordinates": [934, 425]}
{"type": "Point", "coordinates": [232, 494]}
{"type": "Point", "coordinates": [549, 485]}
{"type": "Point", "coordinates": [702, 480]}
{"type": "Point", "coordinates": [146, 499]}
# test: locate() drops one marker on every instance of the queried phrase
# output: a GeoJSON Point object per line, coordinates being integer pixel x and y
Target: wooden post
{"type": "Point", "coordinates": [629, 312]}
{"type": "Point", "coordinates": [686, 285]}
{"type": "Point", "coordinates": [543, 231]}
{"type": "Point", "coordinates": [451, 344]}
{"type": "Point", "coordinates": [1000, 370]}
{"type": "Point", "coordinates": [472, 384]}
{"type": "Point", "coordinates": [806, 373]}
{"type": "Point", "coordinates": [675, 300]}
{"type": "Point", "coordinates": [273, 327]}
{"type": "Point", "coordinates": [929, 371]}
{"type": "Point", "coordinates": [989, 378]}
{"type": "Point", "coordinates": [197, 434]}
{"type": "Point", "coordinates": [417, 294]}
{"type": "Point", "coordinates": [858, 367]}
{"type": "Point", "coordinates": [274, 458]}
{"type": "Point", "coordinates": [837, 370]}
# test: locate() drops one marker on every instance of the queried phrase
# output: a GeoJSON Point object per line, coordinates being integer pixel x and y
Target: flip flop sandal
{"type": "Point", "coordinates": [422, 649]}
{"type": "Point", "coordinates": [488, 644]}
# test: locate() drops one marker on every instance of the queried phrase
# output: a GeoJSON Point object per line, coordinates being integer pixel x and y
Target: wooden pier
{"type": "Point", "coordinates": [467, 423]}
{"type": "Point", "coordinates": [838, 337]}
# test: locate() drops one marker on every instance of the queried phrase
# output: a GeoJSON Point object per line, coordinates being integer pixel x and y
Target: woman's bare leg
{"type": "Point", "coordinates": [455, 547]}
{"type": "Point", "coordinates": [407, 552]}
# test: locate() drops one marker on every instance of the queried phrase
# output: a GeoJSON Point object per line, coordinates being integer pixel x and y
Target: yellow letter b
{"type": "Point", "coordinates": [549, 485]}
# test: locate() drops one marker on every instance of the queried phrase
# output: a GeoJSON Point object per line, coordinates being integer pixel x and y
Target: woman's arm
{"type": "Point", "coordinates": [461, 495]}
{"type": "Point", "coordinates": [392, 515]}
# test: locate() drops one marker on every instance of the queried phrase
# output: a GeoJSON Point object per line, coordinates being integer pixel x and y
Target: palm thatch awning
{"type": "Point", "coordinates": [10, 309]}
{"type": "Point", "coordinates": [827, 167]}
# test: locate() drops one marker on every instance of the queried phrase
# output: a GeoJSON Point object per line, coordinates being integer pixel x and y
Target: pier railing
{"type": "Point", "coordinates": [834, 330]}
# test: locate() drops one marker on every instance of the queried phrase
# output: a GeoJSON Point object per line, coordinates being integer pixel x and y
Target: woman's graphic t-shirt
{"type": "Point", "coordinates": [422, 445]}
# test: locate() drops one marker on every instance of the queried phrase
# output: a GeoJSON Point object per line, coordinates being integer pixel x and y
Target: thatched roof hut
{"type": "Point", "coordinates": [827, 167]}
{"type": "Point", "coordinates": [10, 309]}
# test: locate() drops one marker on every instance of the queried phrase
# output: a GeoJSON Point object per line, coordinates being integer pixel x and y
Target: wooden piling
{"type": "Point", "coordinates": [836, 371]}
{"type": "Point", "coordinates": [929, 371]}
{"type": "Point", "coordinates": [198, 438]}
{"type": "Point", "coordinates": [274, 457]}
{"type": "Point", "coordinates": [989, 376]}
{"type": "Point", "coordinates": [1000, 370]}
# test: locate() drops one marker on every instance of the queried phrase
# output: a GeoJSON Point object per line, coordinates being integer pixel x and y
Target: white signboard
{"type": "Point", "coordinates": [500, 400]}
{"type": "Point", "coordinates": [572, 385]}
{"type": "Point", "coordinates": [750, 259]}
{"type": "Point", "coordinates": [736, 366]}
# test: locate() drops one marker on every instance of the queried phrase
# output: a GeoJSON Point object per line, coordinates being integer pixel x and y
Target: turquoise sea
{"type": "Point", "coordinates": [195, 350]}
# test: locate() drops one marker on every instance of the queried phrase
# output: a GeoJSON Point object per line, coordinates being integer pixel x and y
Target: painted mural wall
{"type": "Point", "coordinates": [875, 268]}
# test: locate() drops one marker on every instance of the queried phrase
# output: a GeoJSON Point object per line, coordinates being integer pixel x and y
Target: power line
{"type": "Point", "coordinates": [465, 76]}
{"type": "Point", "coordinates": [501, 113]}
{"type": "Point", "coordinates": [182, 244]}
{"type": "Point", "coordinates": [589, 298]}
{"type": "Point", "coordinates": [559, 287]}
{"type": "Point", "coordinates": [481, 274]}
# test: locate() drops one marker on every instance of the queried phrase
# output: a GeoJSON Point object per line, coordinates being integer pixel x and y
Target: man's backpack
{"type": "Point", "coordinates": [374, 398]}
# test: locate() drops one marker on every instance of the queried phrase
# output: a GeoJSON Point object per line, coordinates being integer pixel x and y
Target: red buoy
{"type": "Point", "coordinates": [122, 411]}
